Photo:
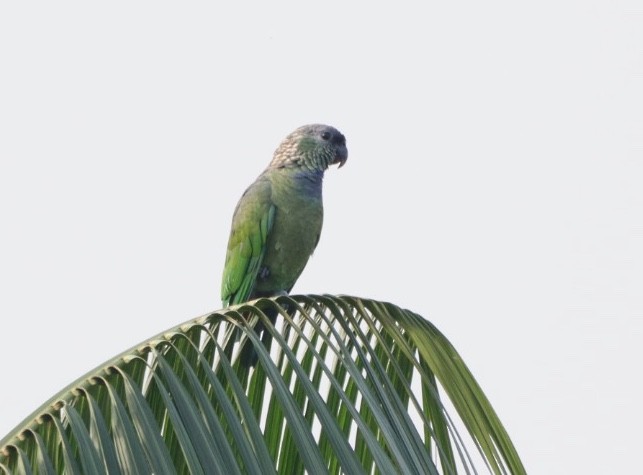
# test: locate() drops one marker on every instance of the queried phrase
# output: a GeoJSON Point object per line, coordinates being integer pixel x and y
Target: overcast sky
{"type": "Point", "coordinates": [494, 185]}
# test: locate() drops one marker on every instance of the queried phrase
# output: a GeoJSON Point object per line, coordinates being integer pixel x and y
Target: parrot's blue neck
{"type": "Point", "coordinates": [308, 182]}
{"type": "Point", "coordinates": [313, 176]}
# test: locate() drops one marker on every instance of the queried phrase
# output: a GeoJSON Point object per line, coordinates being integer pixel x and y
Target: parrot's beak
{"type": "Point", "coordinates": [341, 158]}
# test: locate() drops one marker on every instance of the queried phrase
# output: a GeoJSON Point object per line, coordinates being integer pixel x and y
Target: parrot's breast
{"type": "Point", "coordinates": [293, 238]}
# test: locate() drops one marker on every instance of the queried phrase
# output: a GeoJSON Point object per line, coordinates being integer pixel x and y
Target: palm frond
{"type": "Point", "coordinates": [349, 385]}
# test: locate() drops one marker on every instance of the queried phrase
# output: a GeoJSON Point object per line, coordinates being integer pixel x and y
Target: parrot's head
{"type": "Point", "coordinates": [313, 147]}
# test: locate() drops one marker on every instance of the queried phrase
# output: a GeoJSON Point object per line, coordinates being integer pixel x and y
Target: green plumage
{"type": "Point", "coordinates": [278, 220]}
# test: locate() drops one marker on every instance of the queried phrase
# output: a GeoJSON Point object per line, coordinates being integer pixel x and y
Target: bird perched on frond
{"type": "Point", "coordinates": [277, 222]}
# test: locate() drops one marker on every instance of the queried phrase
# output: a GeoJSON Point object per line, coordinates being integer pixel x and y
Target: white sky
{"type": "Point", "coordinates": [493, 185]}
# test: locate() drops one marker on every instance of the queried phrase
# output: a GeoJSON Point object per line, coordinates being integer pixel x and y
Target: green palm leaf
{"type": "Point", "coordinates": [349, 386]}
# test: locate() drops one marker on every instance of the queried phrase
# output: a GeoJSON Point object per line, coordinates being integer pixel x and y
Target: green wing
{"type": "Point", "coordinates": [251, 224]}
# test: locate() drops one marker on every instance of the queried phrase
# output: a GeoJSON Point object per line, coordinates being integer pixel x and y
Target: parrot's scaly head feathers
{"type": "Point", "coordinates": [314, 147]}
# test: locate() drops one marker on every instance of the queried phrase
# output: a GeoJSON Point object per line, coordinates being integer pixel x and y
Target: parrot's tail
{"type": "Point", "coordinates": [248, 356]}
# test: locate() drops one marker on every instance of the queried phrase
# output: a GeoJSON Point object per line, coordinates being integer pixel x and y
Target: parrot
{"type": "Point", "coordinates": [277, 222]}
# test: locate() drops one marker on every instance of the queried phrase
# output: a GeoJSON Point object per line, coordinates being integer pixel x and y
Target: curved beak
{"type": "Point", "coordinates": [341, 157]}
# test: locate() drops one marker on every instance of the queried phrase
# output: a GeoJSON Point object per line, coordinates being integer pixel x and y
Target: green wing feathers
{"type": "Point", "coordinates": [251, 225]}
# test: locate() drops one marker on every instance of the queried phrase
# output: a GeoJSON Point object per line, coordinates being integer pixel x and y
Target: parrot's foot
{"type": "Point", "coordinates": [263, 274]}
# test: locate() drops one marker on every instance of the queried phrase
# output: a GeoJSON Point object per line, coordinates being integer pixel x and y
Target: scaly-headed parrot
{"type": "Point", "coordinates": [278, 220]}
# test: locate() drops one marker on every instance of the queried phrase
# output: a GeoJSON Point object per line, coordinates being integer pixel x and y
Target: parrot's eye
{"type": "Point", "coordinates": [325, 135]}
